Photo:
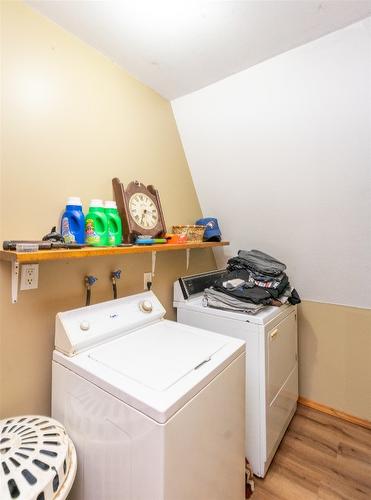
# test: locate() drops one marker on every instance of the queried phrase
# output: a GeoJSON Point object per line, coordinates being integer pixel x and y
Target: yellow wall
{"type": "Point", "coordinates": [335, 357]}
{"type": "Point", "coordinates": [72, 120]}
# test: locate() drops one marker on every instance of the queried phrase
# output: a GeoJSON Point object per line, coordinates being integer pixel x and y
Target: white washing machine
{"type": "Point", "coordinates": [155, 408]}
{"type": "Point", "coordinates": [271, 362]}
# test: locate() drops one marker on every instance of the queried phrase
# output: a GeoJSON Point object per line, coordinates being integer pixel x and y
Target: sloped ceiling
{"type": "Point", "coordinates": [179, 46]}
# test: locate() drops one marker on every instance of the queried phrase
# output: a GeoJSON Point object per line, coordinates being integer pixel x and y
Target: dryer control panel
{"type": "Point", "coordinates": [188, 286]}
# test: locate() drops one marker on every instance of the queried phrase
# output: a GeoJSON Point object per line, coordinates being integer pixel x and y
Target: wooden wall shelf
{"type": "Point", "coordinates": [82, 253]}
{"type": "Point", "coordinates": [17, 258]}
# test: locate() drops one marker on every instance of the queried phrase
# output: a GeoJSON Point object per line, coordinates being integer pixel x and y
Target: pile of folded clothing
{"type": "Point", "coordinates": [252, 281]}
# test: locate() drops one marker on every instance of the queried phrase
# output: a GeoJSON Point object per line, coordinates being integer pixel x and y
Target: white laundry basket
{"type": "Point", "coordinates": [37, 459]}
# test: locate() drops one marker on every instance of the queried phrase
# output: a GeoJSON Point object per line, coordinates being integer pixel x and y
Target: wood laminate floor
{"type": "Point", "coordinates": [320, 457]}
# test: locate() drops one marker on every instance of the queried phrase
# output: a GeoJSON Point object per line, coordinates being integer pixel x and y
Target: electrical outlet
{"type": "Point", "coordinates": [147, 279]}
{"type": "Point", "coordinates": [29, 276]}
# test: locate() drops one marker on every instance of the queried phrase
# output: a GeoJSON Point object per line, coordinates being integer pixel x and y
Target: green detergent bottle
{"type": "Point", "coordinates": [114, 224]}
{"type": "Point", "coordinates": [96, 225]}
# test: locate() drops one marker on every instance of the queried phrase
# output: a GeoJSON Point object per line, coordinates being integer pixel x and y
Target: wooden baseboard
{"type": "Point", "coordinates": [336, 413]}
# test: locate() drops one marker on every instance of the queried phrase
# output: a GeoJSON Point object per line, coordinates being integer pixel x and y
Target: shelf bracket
{"type": "Point", "coordinates": [15, 275]}
{"type": "Point", "coordinates": [188, 253]}
{"type": "Point", "coordinates": [153, 264]}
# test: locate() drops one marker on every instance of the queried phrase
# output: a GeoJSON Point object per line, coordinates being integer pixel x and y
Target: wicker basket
{"type": "Point", "coordinates": [194, 233]}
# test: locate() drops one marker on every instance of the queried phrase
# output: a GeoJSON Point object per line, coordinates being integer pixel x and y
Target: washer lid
{"type": "Point", "coordinates": [156, 369]}
{"type": "Point", "coordinates": [160, 355]}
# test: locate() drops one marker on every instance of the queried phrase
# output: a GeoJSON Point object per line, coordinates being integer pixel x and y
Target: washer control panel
{"type": "Point", "coordinates": [80, 329]}
{"type": "Point", "coordinates": [146, 306]}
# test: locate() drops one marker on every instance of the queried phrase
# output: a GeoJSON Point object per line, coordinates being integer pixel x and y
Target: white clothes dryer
{"type": "Point", "coordinates": [155, 408]}
{"type": "Point", "coordinates": [271, 361]}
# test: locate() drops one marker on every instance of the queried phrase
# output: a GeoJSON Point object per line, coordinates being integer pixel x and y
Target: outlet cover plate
{"type": "Point", "coordinates": [29, 276]}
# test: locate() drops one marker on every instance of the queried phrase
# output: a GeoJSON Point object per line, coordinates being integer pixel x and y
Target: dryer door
{"type": "Point", "coordinates": [282, 353]}
{"type": "Point", "coordinates": [282, 383]}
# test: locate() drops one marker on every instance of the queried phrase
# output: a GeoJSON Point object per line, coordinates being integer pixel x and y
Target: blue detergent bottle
{"type": "Point", "coordinates": [73, 221]}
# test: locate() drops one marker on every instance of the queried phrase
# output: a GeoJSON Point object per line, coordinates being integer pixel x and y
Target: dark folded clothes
{"type": "Point", "coordinates": [220, 300]}
{"type": "Point", "coordinates": [256, 294]}
{"type": "Point", "coordinates": [238, 264]}
{"type": "Point", "coordinates": [253, 277]}
{"type": "Point", "coordinates": [259, 262]}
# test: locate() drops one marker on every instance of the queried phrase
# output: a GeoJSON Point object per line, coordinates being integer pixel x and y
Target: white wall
{"type": "Point", "coordinates": [281, 154]}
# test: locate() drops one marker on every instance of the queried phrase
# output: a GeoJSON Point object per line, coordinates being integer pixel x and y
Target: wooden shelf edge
{"type": "Point", "coordinates": [65, 254]}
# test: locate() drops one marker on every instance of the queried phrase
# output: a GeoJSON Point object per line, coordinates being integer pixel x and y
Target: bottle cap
{"type": "Point", "coordinates": [96, 203]}
{"type": "Point", "coordinates": [110, 204]}
{"type": "Point", "coordinates": [74, 200]}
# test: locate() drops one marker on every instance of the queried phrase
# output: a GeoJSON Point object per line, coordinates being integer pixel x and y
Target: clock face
{"type": "Point", "coordinates": [143, 211]}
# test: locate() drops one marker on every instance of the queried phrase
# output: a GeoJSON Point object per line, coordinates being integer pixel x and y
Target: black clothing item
{"type": "Point", "coordinates": [256, 294]}
{"type": "Point", "coordinates": [262, 262]}
{"type": "Point", "coordinates": [276, 292]}
{"type": "Point", "coordinates": [244, 274]}
{"type": "Point", "coordinates": [294, 298]}
{"type": "Point", "coordinates": [258, 262]}
{"type": "Point", "coordinates": [236, 264]}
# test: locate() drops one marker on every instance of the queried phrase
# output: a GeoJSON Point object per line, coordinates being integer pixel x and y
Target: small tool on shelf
{"type": "Point", "coordinates": [89, 282]}
{"type": "Point", "coordinates": [53, 236]}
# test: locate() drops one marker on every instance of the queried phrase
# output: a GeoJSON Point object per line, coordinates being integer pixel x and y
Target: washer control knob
{"type": "Point", "coordinates": [84, 325]}
{"type": "Point", "coordinates": [146, 306]}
